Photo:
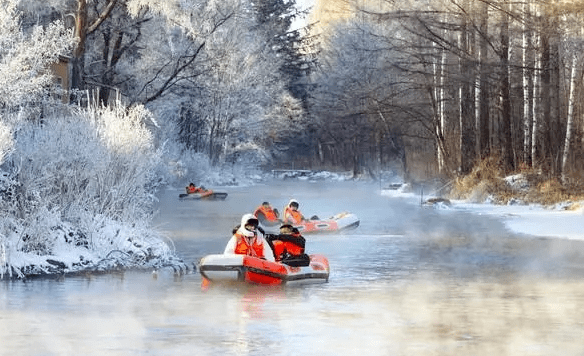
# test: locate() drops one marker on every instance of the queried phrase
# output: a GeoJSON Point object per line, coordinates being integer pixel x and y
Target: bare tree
{"type": "Point", "coordinates": [570, 123]}
{"type": "Point", "coordinates": [537, 92]}
{"type": "Point", "coordinates": [467, 127]}
{"type": "Point", "coordinates": [505, 95]}
{"type": "Point", "coordinates": [526, 82]}
{"type": "Point", "coordinates": [482, 93]}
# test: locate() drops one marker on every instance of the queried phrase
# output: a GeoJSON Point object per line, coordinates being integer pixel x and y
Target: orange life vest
{"type": "Point", "coordinates": [284, 245]}
{"type": "Point", "coordinates": [292, 216]}
{"type": "Point", "coordinates": [281, 247]}
{"type": "Point", "coordinates": [269, 213]}
{"type": "Point", "coordinates": [243, 247]}
{"type": "Point", "coordinates": [192, 190]}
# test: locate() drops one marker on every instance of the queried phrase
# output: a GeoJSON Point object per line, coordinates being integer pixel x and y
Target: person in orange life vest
{"type": "Point", "coordinates": [265, 213]}
{"type": "Point", "coordinates": [291, 213]}
{"type": "Point", "coordinates": [191, 189]}
{"type": "Point", "coordinates": [288, 246]}
{"type": "Point", "coordinates": [249, 240]}
{"type": "Point", "coordinates": [288, 243]}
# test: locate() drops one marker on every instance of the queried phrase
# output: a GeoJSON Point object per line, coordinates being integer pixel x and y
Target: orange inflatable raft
{"type": "Point", "coordinates": [242, 268]}
{"type": "Point", "coordinates": [206, 195]}
{"type": "Point", "coordinates": [340, 222]}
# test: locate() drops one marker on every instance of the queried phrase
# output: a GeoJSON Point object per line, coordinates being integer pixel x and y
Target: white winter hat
{"type": "Point", "coordinates": [246, 220]}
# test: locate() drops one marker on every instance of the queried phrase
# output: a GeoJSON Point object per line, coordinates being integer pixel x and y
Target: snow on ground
{"type": "Point", "coordinates": [535, 220]}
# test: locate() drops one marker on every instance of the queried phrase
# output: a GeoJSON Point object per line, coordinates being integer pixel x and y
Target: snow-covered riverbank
{"type": "Point", "coordinates": [529, 219]}
{"type": "Point", "coordinates": [534, 220]}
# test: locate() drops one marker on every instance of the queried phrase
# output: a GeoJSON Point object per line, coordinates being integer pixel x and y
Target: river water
{"type": "Point", "coordinates": [411, 280]}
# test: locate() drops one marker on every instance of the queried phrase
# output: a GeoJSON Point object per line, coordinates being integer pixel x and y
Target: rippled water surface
{"type": "Point", "coordinates": [409, 281]}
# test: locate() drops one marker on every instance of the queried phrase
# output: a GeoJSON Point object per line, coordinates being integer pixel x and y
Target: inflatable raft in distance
{"type": "Point", "coordinates": [340, 222]}
{"type": "Point", "coordinates": [206, 195]}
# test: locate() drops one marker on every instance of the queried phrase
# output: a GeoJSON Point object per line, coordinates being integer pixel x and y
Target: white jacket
{"type": "Point", "coordinates": [230, 248]}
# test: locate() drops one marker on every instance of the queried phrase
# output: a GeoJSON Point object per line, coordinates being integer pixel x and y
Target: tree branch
{"type": "Point", "coordinates": [169, 80]}
{"type": "Point", "coordinates": [104, 15]}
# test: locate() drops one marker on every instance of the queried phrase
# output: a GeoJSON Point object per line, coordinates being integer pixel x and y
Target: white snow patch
{"type": "Point", "coordinates": [529, 219]}
{"type": "Point", "coordinates": [517, 182]}
{"type": "Point", "coordinates": [533, 219]}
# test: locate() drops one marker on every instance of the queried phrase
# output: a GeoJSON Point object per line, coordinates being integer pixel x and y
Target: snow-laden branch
{"type": "Point", "coordinates": [25, 59]}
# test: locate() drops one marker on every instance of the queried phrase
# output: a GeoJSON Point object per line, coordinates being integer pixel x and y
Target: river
{"type": "Point", "coordinates": [410, 280]}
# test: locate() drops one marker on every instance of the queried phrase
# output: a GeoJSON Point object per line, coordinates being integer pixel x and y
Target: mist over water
{"type": "Point", "coordinates": [410, 280]}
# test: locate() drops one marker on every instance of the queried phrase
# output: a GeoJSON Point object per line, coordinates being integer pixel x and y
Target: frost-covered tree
{"type": "Point", "coordinates": [219, 76]}
{"type": "Point", "coordinates": [104, 33]}
{"type": "Point", "coordinates": [84, 17]}
{"type": "Point", "coordinates": [25, 57]}
{"type": "Point", "coordinates": [213, 69]}
{"type": "Point", "coordinates": [285, 131]}
{"type": "Point", "coordinates": [241, 90]}
{"type": "Point", "coordinates": [175, 52]}
{"type": "Point", "coordinates": [69, 206]}
{"type": "Point", "coordinates": [114, 48]}
{"type": "Point", "coordinates": [6, 141]}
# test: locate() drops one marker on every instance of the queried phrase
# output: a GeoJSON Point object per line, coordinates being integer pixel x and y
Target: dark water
{"type": "Point", "coordinates": [409, 281]}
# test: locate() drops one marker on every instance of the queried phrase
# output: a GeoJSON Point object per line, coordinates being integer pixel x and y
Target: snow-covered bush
{"type": "Point", "coordinates": [99, 160]}
{"type": "Point", "coordinates": [78, 192]}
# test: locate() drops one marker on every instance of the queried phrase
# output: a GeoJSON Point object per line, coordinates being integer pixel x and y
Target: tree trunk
{"type": "Point", "coordinates": [482, 92]}
{"type": "Point", "coordinates": [506, 130]}
{"type": "Point", "coordinates": [467, 127]}
{"type": "Point", "coordinates": [82, 29]}
{"type": "Point", "coordinates": [355, 158]}
{"type": "Point", "coordinates": [527, 113]}
{"type": "Point", "coordinates": [442, 106]}
{"type": "Point", "coordinates": [546, 99]}
{"type": "Point", "coordinates": [536, 102]}
{"type": "Point", "coordinates": [438, 114]}
{"type": "Point", "coordinates": [77, 60]}
{"type": "Point", "coordinates": [555, 126]}
{"type": "Point", "coordinates": [107, 75]}
{"type": "Point", "coordinates": [570, 124]}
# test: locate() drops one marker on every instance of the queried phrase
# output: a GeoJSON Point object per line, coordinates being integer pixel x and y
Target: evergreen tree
{"type": "Point", "coordinates": [275, 18]}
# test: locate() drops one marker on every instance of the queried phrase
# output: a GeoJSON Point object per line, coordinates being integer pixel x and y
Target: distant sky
{"type": "Point", "coordinates": [303, 4]}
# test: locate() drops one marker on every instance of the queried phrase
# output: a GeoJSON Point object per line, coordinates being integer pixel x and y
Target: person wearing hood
{"type": "Point", "coordinates": [248, 240]}
{"type": "Point", "coordinates": [292, 215]}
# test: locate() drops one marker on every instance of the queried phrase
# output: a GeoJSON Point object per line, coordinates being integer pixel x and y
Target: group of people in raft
{"type": "Point", "coordinates": [286, 247]}
{"type": "Point", "coordinates": [250, 239]}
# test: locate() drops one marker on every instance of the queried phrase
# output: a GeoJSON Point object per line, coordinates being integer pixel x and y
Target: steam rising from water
{"type": "Point", "coordinates": [408, 281]}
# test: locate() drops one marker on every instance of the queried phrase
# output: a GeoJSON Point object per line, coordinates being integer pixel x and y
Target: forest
{"type": "Point", "coordinates": [160, 92]}
{"type": "Point", "coordinates": [456, 82]}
